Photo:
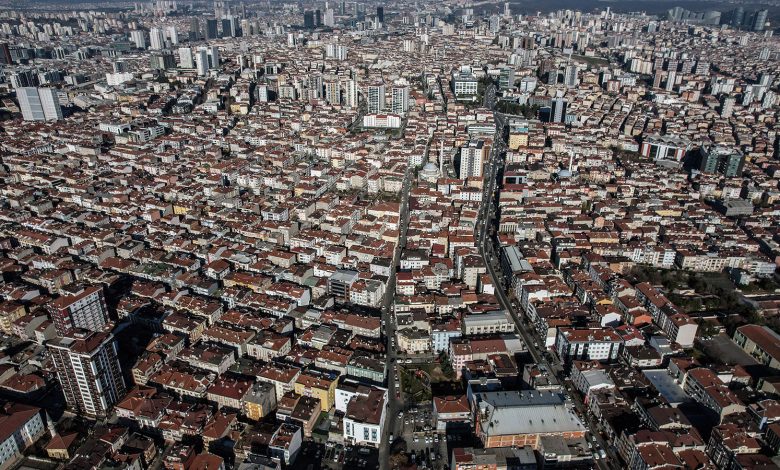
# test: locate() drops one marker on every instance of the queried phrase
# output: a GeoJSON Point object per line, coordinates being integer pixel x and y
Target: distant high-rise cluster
{"type": "Point", "coordinates": [273, 234]}
{"type": "Point", "coordinates": [753, 20]}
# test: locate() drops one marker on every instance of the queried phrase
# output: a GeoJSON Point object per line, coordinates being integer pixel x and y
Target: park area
{"type": "Point", "coordinates": [711, 295]}
{"type": "Point", "coordinates": [417, 380]}
{"type": "Point", "coordinates": [692, 291]}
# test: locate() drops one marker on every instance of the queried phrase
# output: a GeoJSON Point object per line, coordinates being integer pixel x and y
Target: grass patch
{"type": "Point", "coordinates": [435, 372]}
{"type": "Point", "coordinates": [704, 292]}
{"type": "Point", "coordinates": [597, 61]}
{"type": "Point", "coordinates": [763, 286]}
{"type": "Point", "coordinates": [414, 387]}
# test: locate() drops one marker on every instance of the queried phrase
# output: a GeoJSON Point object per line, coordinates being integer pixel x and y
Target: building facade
{"type": "Point", "coordinates": [89, 373]}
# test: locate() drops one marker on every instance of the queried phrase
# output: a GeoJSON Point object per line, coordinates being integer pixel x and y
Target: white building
{"type": "Point", "coordinates": [82, 309]}
{"type": "Point", "coordinates": [464, 84]}
{"type": "Point", "coordinates": [173, 35]}
{"type": "Point", "coordinates": [570, 76]}
{"type": "Point", "coordinates": [351, 93]}
{"type": "Point", "coordinates": [528, 84]}
{"type": "Point", "coordinates": [333, 92]}
{"type": "Point", "coordinates": [665, 147]}
{"type": "Point", "coordinates": [261, 92]}
{"type": "Point", "coordinates": [336, 51]}
{"type": "Point", "coordinates": [329, 19]}
{"type": "Point", "coordinates": [400, 103]}
{"type": "Point", "coordinates": [413, 340]}
{"type": "Point", "coordinates": [286, 443]}
{"type": "Point", "coordinates": [213, 56]}
{"type": "Point", "coordinates": [202, 61]}
{"type": "Point", "coordinates": [367, 292]}
{"type": "Point", "coordinates": [376, 98]}
{"type": "Point", "coordinates": [21, 426]}
{"type": "Point", "coordinates": [118, 78]}
{"type": "Point", "coordinates": [488, 323]}
{"type": "Point", "coordinates": [587, 378]}
{"type": "Point", "coordinates": [349, 388]}
{"type": "Point", "coordinates": [472, 159]}
{"type": "Point", "coordinates": [441, 335]}
{"type": "Point", "coordinates": [592, 345]}
{"type": "Point", "coordinates": [115, 129]}
{"type": "Point", "coordinates": [39, 104]}
{"type": "Point", "coordinates": [385, 121]}
{"type": "Point", "coordinates": [365, 418]}
{"type": "Point", "coordinates": [50, 101]}
{"type": "Point", "coordinates": [681, 329]}
{"type": "Point", "coordinates": [157, 39]}
{"type": "Point", "coordinates": [139, 38]}
{"type": "Point", "coordinates": [186, 59]}
{"type": "Point", "coordinates": [88, 371]}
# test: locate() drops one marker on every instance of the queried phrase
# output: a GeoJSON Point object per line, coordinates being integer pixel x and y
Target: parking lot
{"type": "Point", "coordinates": [427, 446]}
{"type": "Point", "coordinates": [336, 456]}
{"type": "Point", "coordinates": [311, 452]}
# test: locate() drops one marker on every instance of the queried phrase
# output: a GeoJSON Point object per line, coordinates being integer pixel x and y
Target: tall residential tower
{"type": "Point", "coordinates": [88, 370]}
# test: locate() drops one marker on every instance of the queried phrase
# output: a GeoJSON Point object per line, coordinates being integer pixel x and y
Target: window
{"type": "Point", "coordinates": [365, 434]}
{"type": "Point", "coordinates": [654, 152]}
{"type": "Point", "coordinates": [373, 435]}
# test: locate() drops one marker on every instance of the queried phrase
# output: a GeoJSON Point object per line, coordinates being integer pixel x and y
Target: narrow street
{"type": "Point", "coordinates": [489, 251]}
{"type": "Point", "coordinates": [394, 394]}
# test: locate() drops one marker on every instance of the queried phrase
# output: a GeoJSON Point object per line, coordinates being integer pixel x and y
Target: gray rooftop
{"type": "Point", "coordinates": [344, 275]}
{"type": "Point", "coordinates": [666, 386]}
{"type": "Point", "coordinates": [496, 316]}
{"type": "Point", "coordinates": [514, 257]}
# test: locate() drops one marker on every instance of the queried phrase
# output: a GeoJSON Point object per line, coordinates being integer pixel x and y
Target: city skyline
{"type": "Point", "coordinates": [389, 235]}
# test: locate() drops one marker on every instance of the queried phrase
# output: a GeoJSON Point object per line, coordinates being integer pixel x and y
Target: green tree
{"type": "Point", "coordinates": [446, 364]}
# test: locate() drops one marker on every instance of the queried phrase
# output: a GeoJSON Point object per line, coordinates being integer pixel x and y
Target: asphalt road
{"type": "Point", "coordinates": [489, 252]}
{"type": "Point", "coordinates": [489, 101]}
{"type": "Point", "coordinates": [394, 394]}
{"type": "Point", "coordinates": [487, 249]}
